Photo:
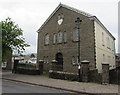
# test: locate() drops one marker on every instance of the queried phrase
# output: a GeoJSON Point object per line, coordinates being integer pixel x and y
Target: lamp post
{"type": "Point", "coordinates": [77, 21]}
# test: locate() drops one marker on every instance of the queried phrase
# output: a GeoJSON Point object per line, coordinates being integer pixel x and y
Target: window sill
{"type": "Point", "coordinates": [59, 43]}
{"type": "Point", "coordinates": [103, 45]}
{"type": "Point", "coordinates": [74, 41]}
{"type": "Point", "coordinates": [46, 44]}
{"type": "Point", "coordinates": [65, 42]}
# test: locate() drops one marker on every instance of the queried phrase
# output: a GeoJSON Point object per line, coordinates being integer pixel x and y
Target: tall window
{"type": "Point", "coordinates": [103, 39]}
{"type": "Point", "coordinates": [60, 37]}
{"type": "Point", "coordinates": [109, 58]}
{"type": "Point", "coordinates": [104, 58]}
{"type": "Point", "coordinates": [108, 42]}
{"type": "Point", "coordinates": [113, 46]}
{"type": "Point", "coordinates": [44, 59]}
{"type": "Point", "coordinates": [54, 38]}
{"type": "Point", "coordinates": [47, 39]}
{"type": "Point", "coordinates": [75, 35]}
{"type": "Point", "coordinates": [47, 60]}
{"type": "Point", "coordinates": [73, 60]}
{"type": "Point", "coordinates": [65, 36]}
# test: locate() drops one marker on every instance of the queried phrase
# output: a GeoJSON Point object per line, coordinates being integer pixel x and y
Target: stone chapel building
{"type": "Point", "coordinates": [58, 41]}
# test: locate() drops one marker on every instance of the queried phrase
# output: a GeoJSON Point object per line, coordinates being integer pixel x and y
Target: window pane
{"type": "Point", "coordinates": [60, 37]}
{"type": "Point", "coordinates": [73, 60]}
{"type": "Point", "coordinates": [54, 38]}
{"type": "Point", "coordinates": [102, 38]}
{"type": "Point", "coordinates": [75, 35]}
{"type": "Point", "coordinates": [46, 39]}
{"type": "Point", "coordinates": [47, 61]}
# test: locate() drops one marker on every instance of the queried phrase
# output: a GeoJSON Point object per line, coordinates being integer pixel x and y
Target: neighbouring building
{"type": "Point", "coordinates": [118, 60]}
{"type": "Point", "coordinates": [58, 41]}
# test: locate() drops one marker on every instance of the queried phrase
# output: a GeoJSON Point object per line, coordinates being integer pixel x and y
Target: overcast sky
{"type": "Point", "coordinates": [31, 14]}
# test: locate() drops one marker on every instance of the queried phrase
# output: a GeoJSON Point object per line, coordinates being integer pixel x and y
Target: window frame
{"type": "Point", "coordinates": [75, 33]}
{"type": "Point", "coordinates": [59, 37]}
{"type": "Point", "coordinates": [46, 39]}
{"type": "Point", "coordinates": [65, 37]}
{"type": "Point", "coordinates": [54, 38]}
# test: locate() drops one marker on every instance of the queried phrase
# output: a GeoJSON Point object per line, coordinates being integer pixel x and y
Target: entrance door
{"type": "Point", "coordinates": [59, 59]}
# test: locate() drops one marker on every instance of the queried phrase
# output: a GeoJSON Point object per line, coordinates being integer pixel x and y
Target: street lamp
{"type": "Point", "coordinates": [78, 21]}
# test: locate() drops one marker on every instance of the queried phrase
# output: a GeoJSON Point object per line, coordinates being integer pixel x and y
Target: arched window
{"type": "Point", "coordinates": [47, 39]}
{"type": "Point", "coordinates": [47, 60]}
{"type": "Point", "coordinates": [59, 37]}
{"type": "Point", "coordinates": [73, 60]}
{"type": "Point", "coordinates": [54, 38]}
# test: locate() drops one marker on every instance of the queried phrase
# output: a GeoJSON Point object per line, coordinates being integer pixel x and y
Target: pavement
{"type": "Point", "coordinates": [74, 86]}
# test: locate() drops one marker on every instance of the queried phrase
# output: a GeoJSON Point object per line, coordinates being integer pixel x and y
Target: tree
{"type": "Point", "coordinates": [32, 55]}
{"type": "Point", "coordinates": [12, 37]}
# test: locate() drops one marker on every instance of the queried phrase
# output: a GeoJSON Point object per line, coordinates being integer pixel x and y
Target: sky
{"type": "Point", "coordinates": [31, 14]}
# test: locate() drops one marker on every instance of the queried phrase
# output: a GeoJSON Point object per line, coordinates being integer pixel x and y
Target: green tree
{"type": "Point", "coordinates": [12, 37]}
{"type": "Point", "coordinates": [32, 56]}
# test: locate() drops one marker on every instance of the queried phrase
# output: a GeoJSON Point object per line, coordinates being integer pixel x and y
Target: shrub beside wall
{"type": "Point", "coordinates": [63, 75]}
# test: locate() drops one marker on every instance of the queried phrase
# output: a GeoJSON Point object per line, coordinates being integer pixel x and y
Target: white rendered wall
{"type": "Point", "coordinates": [105, 49]}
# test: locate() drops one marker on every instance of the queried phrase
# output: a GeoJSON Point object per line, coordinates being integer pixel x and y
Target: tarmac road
{"type": "Point", "coordinates": [18, 87]}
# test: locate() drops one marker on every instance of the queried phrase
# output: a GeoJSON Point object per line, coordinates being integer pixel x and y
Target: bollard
{"type": "Point", "coordinates": [85, 70]}
{"type": "Point", "coordinates": [105, 73]}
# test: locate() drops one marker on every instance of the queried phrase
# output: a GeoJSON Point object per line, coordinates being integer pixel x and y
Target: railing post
{"type": "Point", "coordinates": [85, 70]}
{"type": "Point", "coordinates": [41, 66]}
{"type": "Point", "coordinates": [54, 65]}
{"type": "Point", "coordinates": [105, 73]}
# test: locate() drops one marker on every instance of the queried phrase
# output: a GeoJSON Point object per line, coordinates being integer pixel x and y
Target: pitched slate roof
{"type": "Point", "coordinates": [78, 11]}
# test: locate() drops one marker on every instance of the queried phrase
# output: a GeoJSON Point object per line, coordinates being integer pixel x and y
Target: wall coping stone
{"type": "Point", "coordinates": [85, 62]}
{"type": "Point", "coordinates": [105, 63]}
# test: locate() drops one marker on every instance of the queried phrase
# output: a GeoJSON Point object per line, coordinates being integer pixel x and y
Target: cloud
{"type": "Point", "coordinates": [31, 14]}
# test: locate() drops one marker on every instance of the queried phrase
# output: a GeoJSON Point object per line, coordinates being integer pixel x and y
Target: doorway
{"type": "Point", "coordinates": [59, 59]}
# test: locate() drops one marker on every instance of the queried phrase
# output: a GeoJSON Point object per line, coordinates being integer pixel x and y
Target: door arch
{"type": "Point", "coordinates": [59, 59]}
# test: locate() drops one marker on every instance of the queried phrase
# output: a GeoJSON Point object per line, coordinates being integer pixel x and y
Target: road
{"type": "Point", "coordinates": [17, 87]}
